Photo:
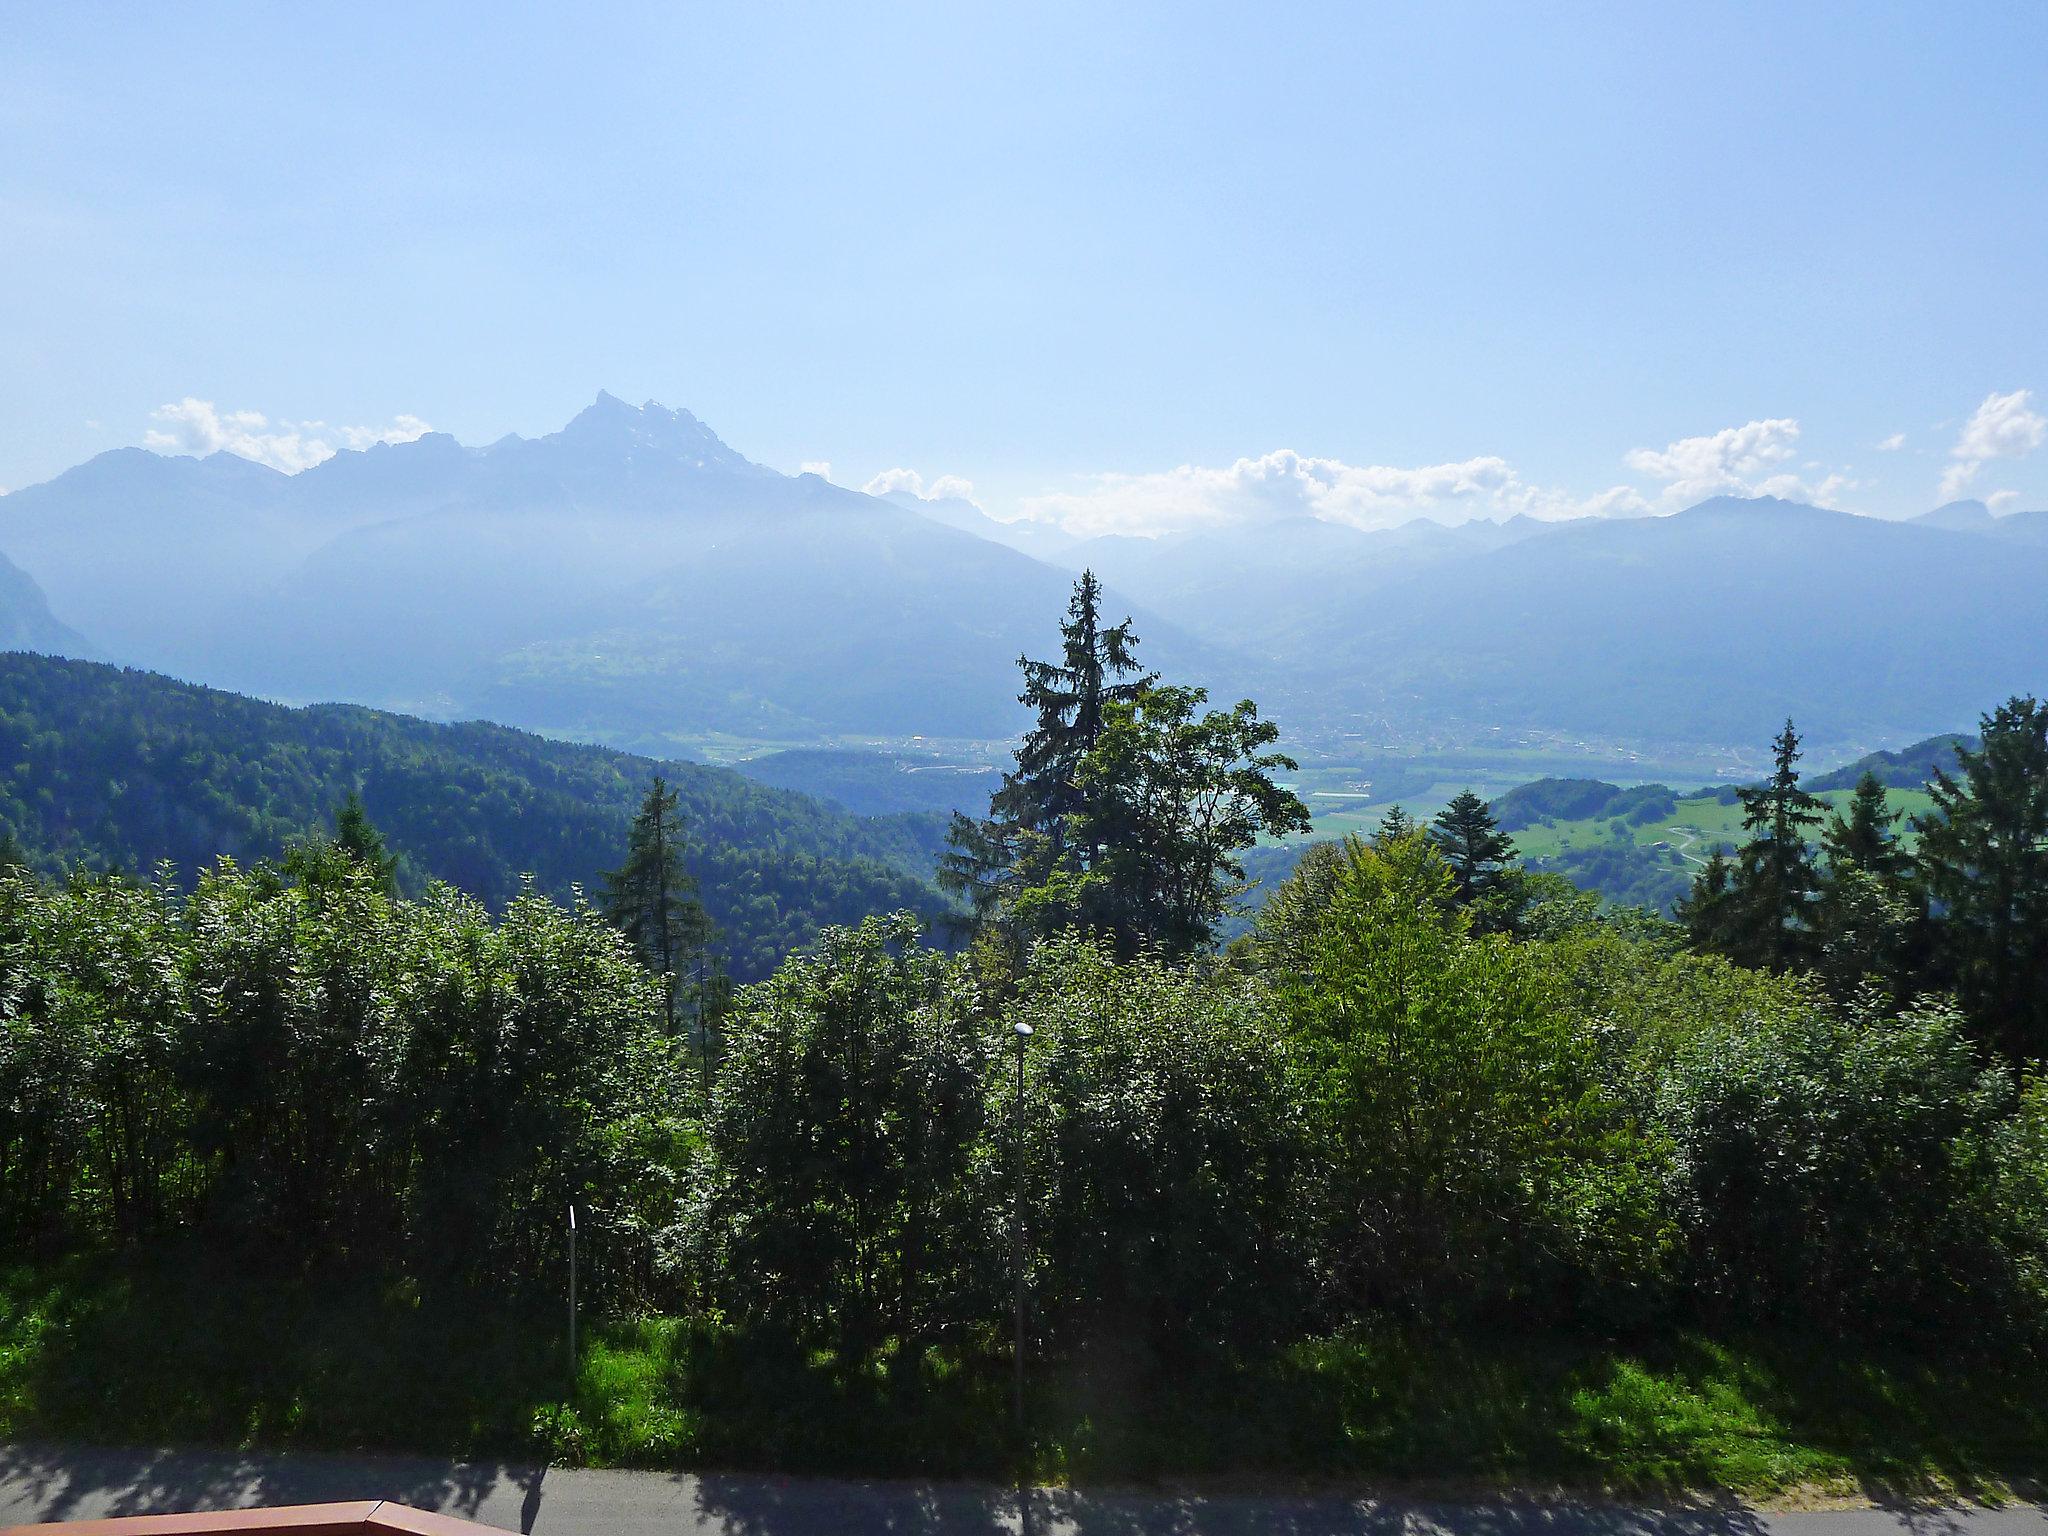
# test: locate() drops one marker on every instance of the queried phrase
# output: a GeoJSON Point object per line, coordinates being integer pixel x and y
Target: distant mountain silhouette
{"type": "Point", "coordinates": [632, 578]}
{"type": "Point", "coordinates": [629, 576]}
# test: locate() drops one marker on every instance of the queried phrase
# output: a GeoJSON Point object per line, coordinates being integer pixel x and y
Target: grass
{"type": "Point", "coordinates": [183, 1350]}
{"type": "Point", "coordinates": [1696, 826]}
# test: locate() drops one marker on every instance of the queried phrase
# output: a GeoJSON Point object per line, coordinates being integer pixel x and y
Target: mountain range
{"type": "Point", "coordinates": [625, 577]}
{"type": "Point", "coordinates": [633, 579]}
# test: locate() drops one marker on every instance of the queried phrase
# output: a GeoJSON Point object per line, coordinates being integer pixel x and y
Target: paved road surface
{"type": "Point", "coordinates": [39, 1483]}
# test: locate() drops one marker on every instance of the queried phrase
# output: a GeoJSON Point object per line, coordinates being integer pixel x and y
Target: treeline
{"type": "Point", "coordinates": [1961, 913]}
{"type": "Point", "coordinates": [108, 769]}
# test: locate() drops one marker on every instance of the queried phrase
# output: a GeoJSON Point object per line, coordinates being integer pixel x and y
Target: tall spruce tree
{"type": "Point", "coordinates": [1866, 835]}
{"type": "Point", "coordinates": [1069, 698]}
{"type": "Point", "coordinates": [1478, 852]}
{"type": "Point", "coordinates": [1984, 859]}
{"type": "Point", "coordinates": [1775, 877]}
{"type": "Point", "coordinates": [1870, 924]}
{"type": "Point", "coordinates": [1026, 839]}
{"type": "Point", "coordinates": [1759, 911]}
{"type": "Point", "coordinates": [652, 900]}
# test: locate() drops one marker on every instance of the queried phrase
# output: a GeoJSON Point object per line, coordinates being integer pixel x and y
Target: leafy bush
{"type": "Point", "coordinates": [1830, 1167]}
{"type": "Point", "coordinates": [1160, 1152]}
{"type": "Point", "coordinates": [1470, 1158]}
{"type": "Point", "coordinates": [323, 1072]}
{"type": "Point", "coordinates": [2016, 1202]}
{"type": "Point", "coordinates": [838, 1197]}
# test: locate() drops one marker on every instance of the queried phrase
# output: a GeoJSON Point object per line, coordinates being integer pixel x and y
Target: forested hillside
{"type": "Point", "coordinates": [104, 767]}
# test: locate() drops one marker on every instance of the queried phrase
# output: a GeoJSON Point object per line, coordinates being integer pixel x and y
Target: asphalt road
{"type": "Point", "coordinates": [41, 1483]}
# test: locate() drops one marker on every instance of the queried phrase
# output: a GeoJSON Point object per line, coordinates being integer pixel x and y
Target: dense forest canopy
{"type": "Point", "coordinates": [113, 769]}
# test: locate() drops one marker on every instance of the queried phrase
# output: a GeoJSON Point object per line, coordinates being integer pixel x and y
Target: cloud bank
{"type": "Point", "coordinates": [1285, 483]}
{"type": "Point", "coordinates": [200, 427]}
{"type": "Point", "coordinates": [1736, 461]}
{"type": "Point", "coordinates": [1749, 460]}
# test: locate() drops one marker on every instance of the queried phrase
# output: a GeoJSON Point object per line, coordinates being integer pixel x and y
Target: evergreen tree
{"type": "Point", "coordinates": [363, 843]}
{"type": "Point", "coordinates": [1472, 843]}
{"type": "Point", "coordinates": [1708, 912]}
{"type": "Point", "coordinates": [1984, 858]}
{"type": "Point", "coordinates": [1025, 841]}
{"type": "Point", "coordinates": [325, 863]}
{"type": "Point", "coordinates": [1865, 837]}
{"type": "Point", "coordinates": [1775, 879]}
{"type": "Point", "coordinates": [652, 899]}
{"type": "Point", "coordinates": [1069, 698]}
{"type": "Point", "coordinates": [1870, 926]}
{"type": "Point", "coordinates": [1394, 824]}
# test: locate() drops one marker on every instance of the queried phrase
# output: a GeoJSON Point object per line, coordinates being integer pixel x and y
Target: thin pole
{"type": "Point", "coordinates": [1017, 1225]}
{"type": "Point", "coordinates": [572, 1297]}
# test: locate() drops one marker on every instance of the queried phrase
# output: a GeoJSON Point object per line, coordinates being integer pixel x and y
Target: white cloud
{"type": "Point", "coordinates": [2004, 427]}
{"type": "Point", "coordinates": [200, 427]}
{"type": "Point", "coordinates": [1893, 443]}
{"type": "Point", "coordinates": [822, 468]}
{"type": "Point", "coordinates": [910, 480]}
{"type": "Point", "coordinates": [1288, 484]}
{"type": "Point", "coordinates": [896, 480]}
{"type": "Point", "coordinates": [1737, 461]}
{"type": "Point", "coordinates": [1997, 501]}
{"type": "Point", "coordinates": [1733, 459]}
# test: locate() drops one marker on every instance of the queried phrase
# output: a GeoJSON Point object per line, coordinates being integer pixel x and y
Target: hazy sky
{"type": "Point", "coordinates": [1121, 264]}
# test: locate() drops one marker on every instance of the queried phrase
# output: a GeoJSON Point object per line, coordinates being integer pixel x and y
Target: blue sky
{"type": "Point", "coordinates": [1124, 265]}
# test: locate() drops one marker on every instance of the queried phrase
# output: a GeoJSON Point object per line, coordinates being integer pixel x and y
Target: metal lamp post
{"type": "Point", "coordinates": [1022, 1033]}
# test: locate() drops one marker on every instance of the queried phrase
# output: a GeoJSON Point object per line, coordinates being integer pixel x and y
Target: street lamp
{"type": "Point", "coordinates": [1021, 1033]}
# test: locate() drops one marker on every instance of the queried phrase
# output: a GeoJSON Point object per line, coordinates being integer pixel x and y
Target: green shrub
{"type": "Point", "coordinates": [1829, 1168]}
{"type": "Point", "coordinates": [1470, 1158]}
{"type": "Point", "coordinates": [837, 1198]}
{"type": "Point", "coordinates": [1160, 1153]}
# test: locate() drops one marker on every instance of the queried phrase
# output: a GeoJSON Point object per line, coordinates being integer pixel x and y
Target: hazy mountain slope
{"type": "Point", "coordinates": [1042, 541]}
{"type": "Point", "coordinates": [876, 783]}
{"type": "Point", "coordinates": [145, 553]}
{"type": "Point", "coordinates": [1976, 517]}
{"type": "Point", "coordinates": [1268, 586]}
{"type": "Point", "coordinates": [630, 577]}
{"type": "Point", "coordinates": [108, 766]}
{"type": "Point", "coordinates": [26, 623]}
{"type": "Point", "coordinates": [849, 621]}
{"type": "Point", "coordinates": [1711, 625]}
{"type": "Point", "coordinates": [1969, 516]}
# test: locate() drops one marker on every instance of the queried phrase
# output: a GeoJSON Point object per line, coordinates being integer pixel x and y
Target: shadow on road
{"type": "Point", "coordinates": [46, 1483]}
